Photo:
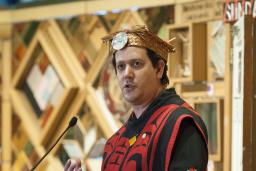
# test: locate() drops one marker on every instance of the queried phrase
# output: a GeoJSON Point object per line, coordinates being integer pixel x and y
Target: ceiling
{"type": "Point", "coordinates": [15, 4]}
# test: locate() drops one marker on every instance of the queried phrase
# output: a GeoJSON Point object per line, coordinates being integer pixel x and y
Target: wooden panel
{"type": "Point", "coordinates": [227, 103]}
{"type": "Point", "coordinates": [199, 51]}
{"type": "Point", "coordinates": [5, 30]}
{"type": "Point", "coordinates": [254, 101]}
{"type": "Point", "coordinates": [249, 96]}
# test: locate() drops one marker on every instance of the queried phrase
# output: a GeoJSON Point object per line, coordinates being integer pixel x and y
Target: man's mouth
{"type": "Point", "coordinates": [128, 87]}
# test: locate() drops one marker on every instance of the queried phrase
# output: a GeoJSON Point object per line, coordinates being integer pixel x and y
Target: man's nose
{"type": "Point", "coordinates": [128, 71]}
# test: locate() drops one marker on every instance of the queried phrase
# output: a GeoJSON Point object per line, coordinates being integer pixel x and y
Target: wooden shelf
{"type": "Point", "coordinates": [188, 63]}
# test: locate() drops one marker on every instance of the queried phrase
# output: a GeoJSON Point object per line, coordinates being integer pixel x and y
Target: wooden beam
{"type": "Point", "coordinates": [227, 118]}
{"type": "Point", "coordinates": [78, 8]}
{"type": "Point", "coordinates": [6, 106]}
{"type": "Point", "coordinates": [5, 30]}
{"type": "Point", "coordinates": [249, 102]}
{"type": "Point", "coordinates": [254, 102]}
{"type": "Point", "coordinates": [5, 16]}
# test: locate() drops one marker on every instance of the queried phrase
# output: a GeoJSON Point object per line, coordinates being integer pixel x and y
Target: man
{"type": "Point", "coordinates": [163, 133]}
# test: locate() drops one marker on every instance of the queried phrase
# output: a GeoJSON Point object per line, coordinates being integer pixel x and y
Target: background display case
{"type": "Point", "coordinates": [188, 63]}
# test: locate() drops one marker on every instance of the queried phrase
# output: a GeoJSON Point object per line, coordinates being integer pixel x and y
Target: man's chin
{"type": "Point", "coordinates": [129, 98]}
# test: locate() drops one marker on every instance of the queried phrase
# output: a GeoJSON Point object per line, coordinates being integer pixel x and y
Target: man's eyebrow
{"type": "Point", "coordinates": [129, 60]}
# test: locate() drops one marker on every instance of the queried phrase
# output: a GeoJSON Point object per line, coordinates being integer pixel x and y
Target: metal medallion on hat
{"type": "Point", "coordinates": [119, 41]}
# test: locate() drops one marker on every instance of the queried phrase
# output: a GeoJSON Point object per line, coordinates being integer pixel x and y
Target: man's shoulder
{"type": "Point", "coordinates": [117, 134]}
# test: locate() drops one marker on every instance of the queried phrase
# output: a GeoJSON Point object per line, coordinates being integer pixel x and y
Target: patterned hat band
{"type": "Point", "coordinates": [140, 36]}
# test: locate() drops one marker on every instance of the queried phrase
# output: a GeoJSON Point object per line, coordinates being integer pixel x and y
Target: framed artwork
{"type": "Point", "coordinates": [211, 111]}
{"type": "Point", "coordinates": [42, 87]}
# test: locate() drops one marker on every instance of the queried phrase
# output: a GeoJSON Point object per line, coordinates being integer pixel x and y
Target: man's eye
{"type": "Point", "coordinates": [137, 64]}
{"type": "Point", "coordinates": [120, 67]}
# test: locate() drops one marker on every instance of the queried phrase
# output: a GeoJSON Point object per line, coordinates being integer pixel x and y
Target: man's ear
{"type": "Point", "coordinates": [160, 68]}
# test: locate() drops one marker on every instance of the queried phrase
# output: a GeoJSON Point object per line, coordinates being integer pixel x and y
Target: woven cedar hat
{"type": "Point", "coordinates": [139, 36]}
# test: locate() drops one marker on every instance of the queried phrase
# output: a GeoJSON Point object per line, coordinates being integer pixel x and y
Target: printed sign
{"type": "Point", "coordinates": [236, 9]}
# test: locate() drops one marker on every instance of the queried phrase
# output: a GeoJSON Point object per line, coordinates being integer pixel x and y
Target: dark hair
{"type": "Point", "coordinates": [154, 58]}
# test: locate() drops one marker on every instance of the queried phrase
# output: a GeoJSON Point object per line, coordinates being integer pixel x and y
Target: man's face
{"type": "Point", "coordinates": [138, 79]}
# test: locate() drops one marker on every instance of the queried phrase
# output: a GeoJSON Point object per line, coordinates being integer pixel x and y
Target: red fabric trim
{"type": "Point", "coordinates": [191, 109]}
{"type": "Point", "coordinates": [174, 135]}
{"type": "Point", "coordinates": [156, 138]}
{"type": "Point", "coordinates": [172, 140]}
{"type": "Point", "coordinates": [186, 105]}
{"type": "Point", "coordinates": [202, 132]}
{"type": "Point", "coordinates": [110, 145]}
{"type": "Point", "coordinates": [192, 169]}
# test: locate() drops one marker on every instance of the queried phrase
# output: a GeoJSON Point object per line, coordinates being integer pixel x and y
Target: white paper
{"type": "Point", "coordinates": [57, 93]}
{"type": "Point", "coordinates": [34, 78]}
{"type": "Point", "coordinates": [46, 87]}
{"type": "Point", "coordinates": [73, 150]}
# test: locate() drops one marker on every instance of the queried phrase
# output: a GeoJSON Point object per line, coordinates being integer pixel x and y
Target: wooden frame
{"type": "Point", "coordinates": [20, 101]}
{"type": "Point", "coordinates": [189, 64]}
{"type": "Point", "coordinates": [21, 163]}
{"type": "Point", "coordinates": [205, 105]}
